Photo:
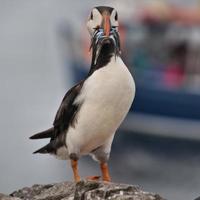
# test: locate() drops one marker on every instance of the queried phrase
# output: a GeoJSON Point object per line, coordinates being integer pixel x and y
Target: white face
{"type": "Point", "coordinates": [96, 19]}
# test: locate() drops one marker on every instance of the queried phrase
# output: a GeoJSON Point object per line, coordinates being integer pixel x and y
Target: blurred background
{"type": "Point", "coordinates": [44, 50]}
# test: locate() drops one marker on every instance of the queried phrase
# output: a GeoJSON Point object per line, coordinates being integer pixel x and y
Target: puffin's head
{"type": "Point", "coordinates": [105, 18]}
{"type": "Point", "coordinates": [103, 28]}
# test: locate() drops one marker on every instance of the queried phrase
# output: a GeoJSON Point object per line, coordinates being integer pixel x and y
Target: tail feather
{"type": "Point", "coordinates": [44, 134]}
{"type": "Point", "coordinates": [46, 149]}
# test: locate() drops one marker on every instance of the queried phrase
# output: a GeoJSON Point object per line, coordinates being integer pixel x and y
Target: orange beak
{"type": "Point", "coordinates": [106, 25]}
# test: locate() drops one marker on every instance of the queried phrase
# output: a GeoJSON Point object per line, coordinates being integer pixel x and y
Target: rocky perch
{"type": "Point", "coordinates": [84, 190]}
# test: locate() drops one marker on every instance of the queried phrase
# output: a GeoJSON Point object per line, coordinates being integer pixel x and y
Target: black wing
{"type": "Point", "coordinates": [65, 117]}
{"type": "Point", "coordinates": [67, 111]}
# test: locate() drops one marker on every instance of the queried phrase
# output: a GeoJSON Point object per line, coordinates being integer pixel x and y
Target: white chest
{"type": "Point", "coordinates": [109, 84]}
{"type": "Point", "coordinates": [107, 96]}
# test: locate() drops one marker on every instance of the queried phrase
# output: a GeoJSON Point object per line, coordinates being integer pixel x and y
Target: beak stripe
{"type": "Point", "coordinates": [106, 25]}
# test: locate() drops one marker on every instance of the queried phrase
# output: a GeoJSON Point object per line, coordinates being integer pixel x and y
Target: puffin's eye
{"type": "Point", "coordinates": [91, 16]}
{"type": "Point", "coordinates": [116, 17]}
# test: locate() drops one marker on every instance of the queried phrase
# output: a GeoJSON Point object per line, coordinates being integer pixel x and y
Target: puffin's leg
{"type": "Point", "coordinates": [74, 164]}
{"type": "Point", "coordinates": [102, 154]}
{"type": "Point", "coordinates": [105, 172]}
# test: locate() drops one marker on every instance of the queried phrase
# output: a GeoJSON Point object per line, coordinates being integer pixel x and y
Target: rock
{"type": "Point", "coordinates": [6, 197]}
{"type": "Point", "coordinates": [84, 190]}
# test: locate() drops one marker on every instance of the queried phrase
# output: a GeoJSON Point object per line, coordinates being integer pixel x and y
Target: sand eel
{"type": "Point", "coordinates": [92, 110]}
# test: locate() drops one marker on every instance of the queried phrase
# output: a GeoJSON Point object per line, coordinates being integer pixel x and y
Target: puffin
{"type": "Point", "coordinates": [93, 109]}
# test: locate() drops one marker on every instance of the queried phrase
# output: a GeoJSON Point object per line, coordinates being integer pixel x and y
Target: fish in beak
{"type": "Point", "coordinates": [103, 28]}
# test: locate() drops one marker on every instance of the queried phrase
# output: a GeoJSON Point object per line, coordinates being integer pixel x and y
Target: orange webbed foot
{"type": "Point", "coordinates": [93, 178]}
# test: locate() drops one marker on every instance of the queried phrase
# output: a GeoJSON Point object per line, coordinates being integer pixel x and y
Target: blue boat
{"type": "Point", "coordinates": [165, 60]}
